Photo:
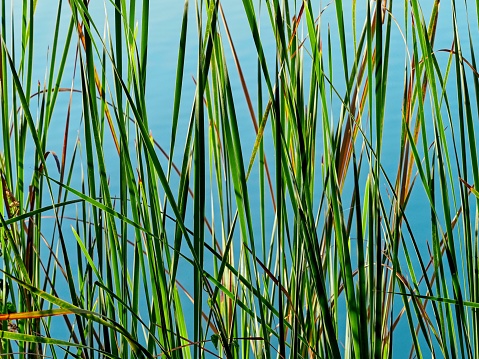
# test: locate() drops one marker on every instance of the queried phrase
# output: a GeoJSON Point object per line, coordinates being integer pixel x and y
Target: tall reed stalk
{"type": "Point", "coordinates": [325, 209]}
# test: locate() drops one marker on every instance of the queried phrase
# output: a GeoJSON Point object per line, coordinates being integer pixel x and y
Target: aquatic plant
{"type": "Point", "coordinates": [312, 199]}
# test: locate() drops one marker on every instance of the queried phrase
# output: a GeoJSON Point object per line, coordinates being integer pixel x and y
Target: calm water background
{"type": "Point", "coordinates": [165, 18]}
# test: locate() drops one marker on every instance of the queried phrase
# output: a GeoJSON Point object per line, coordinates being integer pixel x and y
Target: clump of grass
{"type": "Point", "coordinates": [342, 222]}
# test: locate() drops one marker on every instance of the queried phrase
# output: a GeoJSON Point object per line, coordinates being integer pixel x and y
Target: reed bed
{"type": "Point", "coordinates": [315, 200]}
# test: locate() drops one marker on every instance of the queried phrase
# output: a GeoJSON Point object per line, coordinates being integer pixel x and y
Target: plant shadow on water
{"type": "Point", "coordinates": [233, 179]}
